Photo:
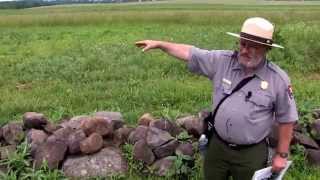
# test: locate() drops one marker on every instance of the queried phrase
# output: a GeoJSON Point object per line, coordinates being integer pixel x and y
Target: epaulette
{"type": "Point", "coordinates": [281, 73]}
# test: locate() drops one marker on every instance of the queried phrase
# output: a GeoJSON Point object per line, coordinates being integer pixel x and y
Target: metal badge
{"type": "Point", "coordinates": [264, 85]}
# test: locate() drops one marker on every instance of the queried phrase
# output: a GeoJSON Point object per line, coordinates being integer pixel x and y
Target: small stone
{"type": "Point", "coordinates": [61, 134]}
{"type": "Point", "coordinates": [75, 122]}
{"type": "Point", "coordinates": [157, 137]}
{"type": "Point", "coordinates": [121, 135]}
{"type": "Point", "coordinates": [100, 125]}
{"type": "Point", "coordinates": [166, 125]}
{"type": "Point", "coordinates": [316, 113]}
{"type": "Point", "coordinates": [50, 128]}
{"type": "Point", "coordinates": [146, 119]}
{"type": "Point", "coordinates": [91, 144]}
{"type": "Point", "coordinates": [115, 117]}
{"type": "Point", "coordinates": [163, 166]}
{"type": "Point", "coordinates": [313, 156]}
{"type": "Point", "coordinates": [185, 149]}
{"type": "Point", "coordinates": [304, 140]}
{"type": "Point", "coordinates": [192, 124]}
{"type": "Point", "coordinates": [142, 152]}
{"type": "Point", "coordinates": [34, 120]}
{"type": "Point", "coordinates": [139, 133]}
{"type": "Point", "coordinates": [35, 138]}
{"type": "Point", "coordinates": [74, 140]}
{"type": "Point", "coordinates": [166, 149]}
{"type": "Point", "coordinates": [13, 133]}
{"type": "Point", "coordinates": [315, 129]}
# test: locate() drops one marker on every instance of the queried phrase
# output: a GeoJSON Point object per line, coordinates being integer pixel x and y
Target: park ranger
{"type": "Point", "coordinates": [250, 94]}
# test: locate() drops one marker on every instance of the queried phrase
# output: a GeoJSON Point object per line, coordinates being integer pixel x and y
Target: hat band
{"type": "Point", "coordinates": [256, 38]}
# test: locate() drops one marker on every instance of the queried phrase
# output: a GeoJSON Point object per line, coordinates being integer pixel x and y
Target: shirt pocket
{"type": "Point", "coordinates": [260, 108]}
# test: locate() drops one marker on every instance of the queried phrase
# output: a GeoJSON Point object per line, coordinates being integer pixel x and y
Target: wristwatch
{"type": "Point", "coordinates": [283, 154]}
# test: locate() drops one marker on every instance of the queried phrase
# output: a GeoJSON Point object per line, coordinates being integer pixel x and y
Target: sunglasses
{"type": "Point", "coordinates": [249, 44]}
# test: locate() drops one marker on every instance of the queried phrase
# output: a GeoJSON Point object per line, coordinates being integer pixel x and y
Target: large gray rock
{"type": "Point", "coordinates": [13, 133]}
{"type": "Point", "coordinates": [166, 125]}
{"type": "Point", "coordinates": [35, 138]}
{"type": "Point", "coordinates": [146, 119]}
{"type": "Point", "coordinates": [100, 125]}
{"type": "Point", "coordinates": [166, 149]}
{"type": "Point", "coordinates": [115, 117]}
{"type": "Point", "coordinates": [192, 124]}
{"type": "Point", "coordinates": [313, 156]}
{"type": "Point", "coordinates": [109, 161]}
{"type": "Point", "coordinates": [304, 140]}
{"type": "Point", "coordinates": [91, 144]}
{"type": "Point", "coordinates": [75, 122]}
{"type": "Point", "coordinates": [34, 120]}
{"type": "Point", "coordinates": [164, 166]}
{"type": "Point", "coordinates": [74, 140]}
{"type": "Point", "coordinates": [53, 152]}
{"type": "Point", "coordinates": [157, 137]}
{"type": "Point", "coordinates": [142, 152]}
{"type": "Point", "coordinates": [185, 149]}
{"type": "Point", "coordinates": [139, 133]}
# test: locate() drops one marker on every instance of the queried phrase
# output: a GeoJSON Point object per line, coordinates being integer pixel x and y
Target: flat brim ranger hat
{"type": "Point", "coordinates": [258, 30]}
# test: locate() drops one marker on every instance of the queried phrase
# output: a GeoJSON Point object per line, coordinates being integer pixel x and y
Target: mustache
{"type": "Point", "coordinates": [245, 55]}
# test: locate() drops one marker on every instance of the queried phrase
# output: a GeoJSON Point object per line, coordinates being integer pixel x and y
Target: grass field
{"type": "Point", "coordinates": [73, 60]}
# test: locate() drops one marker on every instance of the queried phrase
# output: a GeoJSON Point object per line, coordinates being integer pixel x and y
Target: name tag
{"type": "Point", "coordinates": [226, 84]}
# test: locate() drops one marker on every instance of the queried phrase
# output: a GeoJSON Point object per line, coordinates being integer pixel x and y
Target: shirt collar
{"type": "Point", "coordinates": [261, 71]}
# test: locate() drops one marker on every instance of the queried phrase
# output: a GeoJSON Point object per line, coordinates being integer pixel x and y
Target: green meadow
{"type": "Point", "coordinates": [77, 59]}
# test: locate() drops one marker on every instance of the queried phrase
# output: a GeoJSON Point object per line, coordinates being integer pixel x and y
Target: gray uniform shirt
{"type": "Point", "coordinates": [246, 116]}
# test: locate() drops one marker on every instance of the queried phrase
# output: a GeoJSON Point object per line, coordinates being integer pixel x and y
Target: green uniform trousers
{"type": "Point", "coordinates": [221, 161]}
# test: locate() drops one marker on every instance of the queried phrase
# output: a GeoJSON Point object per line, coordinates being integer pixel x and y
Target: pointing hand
{"type": "Point", "coordinates": [147, 44]}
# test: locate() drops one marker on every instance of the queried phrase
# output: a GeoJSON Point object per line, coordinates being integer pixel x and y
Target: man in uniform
{"type": "Point", "coordinates": [250, 94]}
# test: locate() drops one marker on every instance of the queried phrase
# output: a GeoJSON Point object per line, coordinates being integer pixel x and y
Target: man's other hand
{"type": "Point", "coordinates": [278, 163]}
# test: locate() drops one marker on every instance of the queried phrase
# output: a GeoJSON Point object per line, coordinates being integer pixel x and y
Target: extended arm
{"type": "Point", "coordinates": [180, 51]}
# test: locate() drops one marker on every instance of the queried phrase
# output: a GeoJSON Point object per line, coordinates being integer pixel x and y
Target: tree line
{"type": "Point", "coordinates": [20, 4]}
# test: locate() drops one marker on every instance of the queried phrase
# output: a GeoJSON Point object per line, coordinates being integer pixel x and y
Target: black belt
{"type": "Point", "coordinates": [234, 146]}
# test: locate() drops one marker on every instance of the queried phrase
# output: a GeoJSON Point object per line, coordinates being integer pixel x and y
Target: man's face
{"type": "Point", "coordinates": [251, 54]}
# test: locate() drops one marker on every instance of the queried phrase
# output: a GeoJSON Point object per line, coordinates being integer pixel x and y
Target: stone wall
{"type": "Point", "coordinates": [90, 145]}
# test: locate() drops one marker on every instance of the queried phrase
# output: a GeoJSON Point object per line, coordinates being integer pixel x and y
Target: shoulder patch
{"type": "Point", "coordinates": [290, 92]}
